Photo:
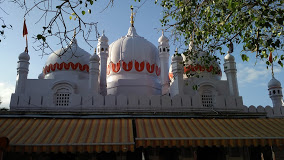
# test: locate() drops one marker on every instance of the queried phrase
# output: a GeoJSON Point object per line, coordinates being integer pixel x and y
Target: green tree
{"type": "Point", "coordinates": [211, 24]}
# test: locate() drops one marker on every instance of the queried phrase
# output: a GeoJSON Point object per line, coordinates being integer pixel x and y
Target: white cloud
{"type": "Point", "coordinates": [6, 89]}
{"type": "Point", "coordinates": [249, 74]}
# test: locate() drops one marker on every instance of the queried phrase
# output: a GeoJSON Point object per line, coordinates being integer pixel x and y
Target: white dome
{"type": "Point", "coordinates": [274, 83]}
{"type": "Point", "coordinates": [71, 60]}
{"type": "Point", "coordinates": [163, 39]}
{"type": "Point", "coordinates": [130, 58]}
{"type": "Point", "coordinates": [24, 56]}
{"type": "Point", "coordinates": [103, 38]}
{"type": "Point", "coordinates": [229, 57]}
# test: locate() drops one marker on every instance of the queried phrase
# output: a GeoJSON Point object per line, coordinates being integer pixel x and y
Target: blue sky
{"type": "Point", "coordinates": [252, 77]}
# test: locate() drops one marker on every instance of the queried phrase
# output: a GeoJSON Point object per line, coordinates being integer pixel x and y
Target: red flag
{"type": "Point", "coordinates": [25, 30]}
{"type": "Point", "coordinates": [270, 57]}
{"type": "Point", "coordinates": [25, 33]}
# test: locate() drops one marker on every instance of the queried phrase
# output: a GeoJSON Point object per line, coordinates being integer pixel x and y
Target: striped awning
{"type": "Point", "coordinates": [209, 132]}
{"type": "Point", "coordinates": [68, 135]}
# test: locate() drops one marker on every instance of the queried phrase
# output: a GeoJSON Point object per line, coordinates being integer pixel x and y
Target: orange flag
{"type": "Point", "coordinates": [270, 57]}
{"type": "Point", "coordinates": [25, 33]}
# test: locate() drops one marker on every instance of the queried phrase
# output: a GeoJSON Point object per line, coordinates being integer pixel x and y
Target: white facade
{"type": "Point", "coordinates": [130, 75]}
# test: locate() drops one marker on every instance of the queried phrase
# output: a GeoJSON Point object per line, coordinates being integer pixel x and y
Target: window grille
{"type": "Point", "coordinates": [207, 100]}
{"type": "Point", "coordinates": [62, 97]}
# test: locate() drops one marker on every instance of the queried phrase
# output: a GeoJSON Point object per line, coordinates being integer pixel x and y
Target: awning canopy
{"type": "Point", "coordinates": [96, 135]}
{"type": "Point", "coordinates": [209, 132]}
{"type": "Point", "coordinates": [67, 135]}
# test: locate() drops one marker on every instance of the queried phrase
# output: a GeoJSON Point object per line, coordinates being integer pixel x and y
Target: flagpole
{"type": "Point", "coordinates": [25, 33]}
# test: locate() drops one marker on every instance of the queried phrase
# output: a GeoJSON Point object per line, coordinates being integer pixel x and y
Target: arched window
{"type": "Point", "coordinates": [102, 49]}
{"type": "Point", "coordinates": [208, 94]}
{"type": "Point", "coordinates": [62, 93]}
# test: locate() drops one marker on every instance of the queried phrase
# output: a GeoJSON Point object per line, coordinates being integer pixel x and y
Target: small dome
{"type": "Point", "coordinates": [41, 76]}
{"type": "Point", "coordinates": [229, 57]}
{"type": "Point", "coordinates": [163, 39]}
{"type": "Point", "coordinates": [177, 57]}
{"type": "Point", "coordinates": [103, 38]}
{"type": "Point", "coordinates": [24, 56]}
{"type": "Point", "coordinates": [71, 58]}
{"type": "Point", "coordinates": [94, 57]}
{"type": "Point", "coordinates": [274, 83]}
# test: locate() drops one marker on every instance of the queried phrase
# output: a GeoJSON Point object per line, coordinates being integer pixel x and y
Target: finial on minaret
{"type": "Point", "coordinates": [270, 59]}
{"type": "Point", "coordinates": [103, 32]}
{"type": "Point", "coordinates": [231, 48]}
{"type": "Point", "coordinates": [163, 30]}
{"type": "Point", "coordinates": [176, 51]}
{"type": "Point", "coordinates": [132, 17]}
{"type": "Point", "coordinates": [95, 52]}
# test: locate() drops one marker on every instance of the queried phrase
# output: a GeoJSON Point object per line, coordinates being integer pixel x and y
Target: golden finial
{"type": "Point", "coordinates": [131, 17]}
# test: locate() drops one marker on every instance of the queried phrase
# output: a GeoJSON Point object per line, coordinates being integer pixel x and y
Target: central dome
{"type": "Point", "coordinates": [133, 66]}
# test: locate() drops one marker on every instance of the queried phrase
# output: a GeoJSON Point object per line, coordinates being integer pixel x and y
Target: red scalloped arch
{"type": "Point", "coordinates": [67, 66]}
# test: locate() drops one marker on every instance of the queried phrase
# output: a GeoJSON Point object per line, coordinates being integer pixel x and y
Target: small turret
{"type": "Point", "coordinates": [177, 71]}
{"type": "Point", "coordinates": [164, 59]}
{"type": "Point", "coordinates": [94, 73]}
{"type": "Point", "coordinates": [103, 49]}
{"type": "Point", "coordinates": [275, 92]}
{"type": "Point", "coordinates": [22, 72]}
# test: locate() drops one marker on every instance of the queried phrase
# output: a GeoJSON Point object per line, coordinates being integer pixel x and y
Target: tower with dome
{"type": "Point", "coordinates": [131, 100]}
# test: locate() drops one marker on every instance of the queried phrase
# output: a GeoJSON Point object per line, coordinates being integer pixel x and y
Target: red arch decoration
{"type": "Point", "coordinates": [127, 67]}
{"type": "Point", "coordinates": [66, 66]}
{"type": "Point", "coordinates": [139, 67]}
{"type": "Point", "coordinates": [201, 68]}
{"type": "Point", "coordinates": [158, 70]}
{"type": "Point", "coordinates": [115, 67]}
{"type": "Point", "coordinates": [150, 68]}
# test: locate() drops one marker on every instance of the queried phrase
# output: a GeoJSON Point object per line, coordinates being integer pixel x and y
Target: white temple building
{"type": "Point", "coordinates": [133, 74]}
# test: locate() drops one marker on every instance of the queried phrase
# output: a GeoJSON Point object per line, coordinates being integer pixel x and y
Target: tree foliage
{"type": "Point", "coordinates": [59, 19]}
{"type": "Point", "coordinates": [255, 24]}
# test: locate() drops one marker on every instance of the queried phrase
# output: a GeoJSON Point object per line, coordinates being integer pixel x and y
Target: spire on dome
{"type": "Point", "coordinates": [103, 38]}
{"type": "Point", "coordinates": [132, 32]}
{"type": "Point", "coordinates": [163, 38]}
{"type": "Point", "coordinates": [74, 40]}
{"type": "Point", "coordinates": [132, 17]}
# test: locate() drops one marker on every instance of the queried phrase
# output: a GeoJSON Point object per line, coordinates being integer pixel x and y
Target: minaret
{"type": "Point", "coordinates": [164, 49]}
{"type": "Point", "coordinates": [94, 73]}
{"type": "Point", "coordinates": [177, 69]}
{"type": "Point", "coordinates": [22, 72]}
{"type": "Point", "coordinates": [231, 72]}
{"type": "Point", "coordinates": [103, 48]}
{"type": "Point", "coordinates": [275, 92]}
